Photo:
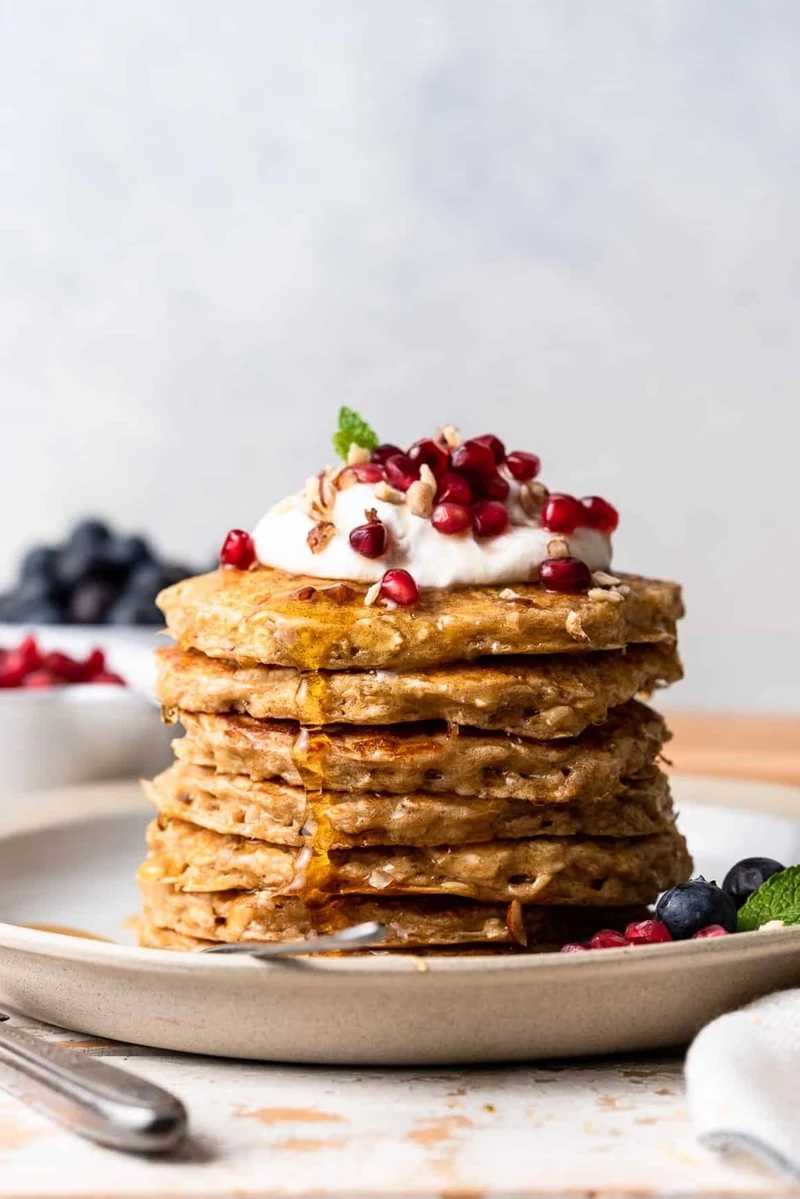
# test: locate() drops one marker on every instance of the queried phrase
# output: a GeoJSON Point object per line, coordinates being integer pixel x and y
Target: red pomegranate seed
{"type": "Point", "coordinates": [607, 938]}
{"type": "Point", "coordinates": [93, 664]}
{"type": "Point", "coordinates": [523, 466]}
{"type": "Point", "coordinates": [43, 678]}
{"type": "Point", "coordinates": [63, 667]}
{"type": "Point", "coordinates": [494, 444]}
{"type": "Point", "coordinates": [597, 513]}
{"type": "Point", "coordinates": [12, 670]}
{"type": "Point", "coordinates": [573, 947]}
{"type": "Point", "coordinates": [451, 518]}
{"type": "Point", "coordinates": [398, 586]}
{"type": "Point", "coordinates": [370, 540]}
{"type": "Point", "coordinates": [711, 930]}
{"type": "Point", "coordinates": [489, 518]}
{"type": "Point", "coordinates": [367, 472]}
{"type": "Point", "coordinates": [647, 932]}
{"type": "Point", "coordinates": [490, 487]}
{"type": "Point", "coordinates": [433, 455]}
{"type": "Point", "coordinates": [401, 471]}
{"type": "Point", "coordinates": [453, 489]}
{"type": "Point", "coordinates": [108, 677]}
{"type": "Point", "coordinates": [565, 574]}
{"type": "Point", "coordinates": [561, 514]}
{"type": "Point", "coordinates": [472, 456]}
{"type": "Point", "coordinates": [29, 653]}
{"type": "Point", "coordinates": [384, 452]}
{"type": "Point", "coordinates": [238, 550]}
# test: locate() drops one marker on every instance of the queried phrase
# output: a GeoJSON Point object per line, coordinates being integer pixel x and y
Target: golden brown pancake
{"type": "Point", "coordinates": [257, 616]}
{"type": "Point", "coordinates": [541, 697]}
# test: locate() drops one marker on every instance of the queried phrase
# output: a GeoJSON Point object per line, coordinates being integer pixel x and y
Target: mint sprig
{"type": "Point", "coordinates": [353, 430]}
{"type": "Point", "coordinates": [776, 899]}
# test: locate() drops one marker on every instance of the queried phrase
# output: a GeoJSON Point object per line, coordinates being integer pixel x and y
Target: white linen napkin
{"type": "Point", "coordinates": [743, 1082]}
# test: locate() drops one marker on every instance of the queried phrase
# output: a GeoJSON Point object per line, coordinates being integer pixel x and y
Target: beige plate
{"type": "Point", "coordinates": [68, 858]}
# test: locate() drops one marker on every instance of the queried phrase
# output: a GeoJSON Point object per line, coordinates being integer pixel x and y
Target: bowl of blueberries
{"type": "Point", "coordinates": [78, 627]}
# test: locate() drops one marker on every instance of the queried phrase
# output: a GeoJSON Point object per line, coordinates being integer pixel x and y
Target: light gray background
{"type": "Point", "coordinates": [575, 223]}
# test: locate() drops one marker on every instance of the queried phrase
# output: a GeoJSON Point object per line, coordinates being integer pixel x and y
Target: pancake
{"type": "Point", "coordinates": [548, 696]}
{"type": "Point", "coordinates": [595, 872]}
{"type": "Point", "coordinates": [257, 616]}
{"type": "Point", "coordinates": [279, 814]}
{"type": "Point", "coordinates": [184, 920]}
{"type": "Point", "coordinates": [428, 758]}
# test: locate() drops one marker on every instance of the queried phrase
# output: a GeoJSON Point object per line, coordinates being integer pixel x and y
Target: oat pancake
{"type": "Point", "coordinates": [541, 697]}
{"type": "Point", "coordinates": [429, 757]}
{"type": "Point", "coordinates": [569, 870]}
{"type": "Point", "coordinates": [279, 814]}
{"type": "Point", "coordinates": [257, 616]}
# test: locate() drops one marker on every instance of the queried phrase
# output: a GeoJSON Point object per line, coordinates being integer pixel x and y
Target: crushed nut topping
{"type": "Point", "coordinates": [514, 922]}
{"type": "Point", "coordinates": [450, 435]}
{"type": "Point", "coordinates": [320, 535]}
{"type": "Point", "coordinates": [532, 498]}
{"type": "Point", "coordinates": [427, 476]}
{"type": "Point", "coordinates": [327, 491]}
{"type": "Point", "coordinates": [357, 454]}
{"type": "Point", "coordinates": [558, 548]}
{"type": "Point", "coordinates": [304, 593]}
{"type": "Point", "coordinates": [574, 627]}
{"type": "Point", "coordinates": [390, 495]}
{"type": "Point", "coordinates": [508, 594]}
{"type": "Point", "coordinates": [608, 594]}
{"type": "Point", "coordinates": [340, 593]}
{"type": "Point", "coordinates": [371, 515]}
{"type": "Point", "coordinates": [419, 498]}
{"type": "Point", "coordinates": [601, 578]}
{"type": "Point", "coordinates": [372, 595]}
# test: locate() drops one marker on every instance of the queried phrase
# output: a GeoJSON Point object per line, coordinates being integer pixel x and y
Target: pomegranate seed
{"type": "Point", "coordinates": [63, 666]}
{"type": "Point", "coordinates": [93, 664]}
{"type": "Point", "coordinates": [494, 444]}
{"type": "Point", "coordinates": [453, 489]}
{"type": "Point", "coordinates": [451, 518]}
{"type": "Point", "coordinates": [384, 452]}
{"type": "Point", "coordinates": [565, 574]}
{"type": "Point", "coordinates": [433, 455]}
{"type": "Point", "coordinates": [573, 947]}
{"type": "Point", "coordinates": [607, 938]}
{"type": "Point", "coordinates": [598, 514]}
{"type": "Point", "coordinates": [43, 678]}
{"type": "Point", "coordinates": [401, 471]}
{"type": "Point", "coordinates": [472, 456]}
{"type": "Point", "coordinates": [561, 514]}
{"type": "Point", "coordinates": [12, 671]}
{"type": "Point", "coordinates": [369, 540]}
{"type": "Point", "coordinates": [489, 518]}
{"type": "Point", "coordinates": [398, 586]}
{"type": "Point", "coordinates": [367, 472]}
{"type": "Point", "coordinates": [647, 932]}
{"type": "Point", "coordinates": [238, 550]}
{"type": "Point", "coordinates": [490, 487]}
{"type": "Point", "coordinates": [108, 677]}
{"type": "Point", "coordinates": [523, 466]}
{"type": "Point", "coordinates": [711, 930]}
{"type": "Point", "coordinates": [29, 653]}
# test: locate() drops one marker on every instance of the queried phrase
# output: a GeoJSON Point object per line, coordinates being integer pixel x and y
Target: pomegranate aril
{"type": "Point", "coordinates": [607, 938]}
{"type": "Point", "coordinates": [597, 513]}
{"type": "Point", "coordinates": [93, 664]}
{"type": "Point", "coordinates": [12, 671]}
{"type": "Point", "coordinates": [238, 550]}
{"type": "Point", "coordinates": [561, 514]}
{"type": "Point", "coordinates": [399, 587]}
{"type": "Point", "coordinates": [369, 540]}
{"type": "Point", "coordinates": [401, 472]}
{"type": "Point", "coordinates": [433, 455]}
{"type": "Point", "coordinates": [453, 489]}
{"type": "Point", "coordinates": [568, 575]}
{"type": "Point", "coordinates": [647, 932]}
{"type": "Point", "coordinates": [63, 667]}
{"type": "Point", "coordinates": [711, 930]}
{"type": "Point", "coordinates": [472, 456]}
{"type": "Point", "coordinates": [108, 677]}
{"type": "Point", "coordinates": [367, 472]}
{"type": "Point", "coordinates": [490, 487]}
{"type": "Point", "coordinates": [29, 653]}
{"type": "Point", "coordinates": [489, 518]}
{"type": "Point", "coordinates": [494, 444]}
{"type": "Point", "coordinates": [384, 452]}
{"type": "Point", "coordinates": [523, 466]}
{"type": "Point", "coordinates": [451, 518]}
{"type": "Point", "coordinates": [43, 678]}
{"type": "Point", "coordinates": [573, 947]}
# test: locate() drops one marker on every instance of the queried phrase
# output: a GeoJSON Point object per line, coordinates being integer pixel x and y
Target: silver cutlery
{"type": "Point", "coordinates": [355, 937]}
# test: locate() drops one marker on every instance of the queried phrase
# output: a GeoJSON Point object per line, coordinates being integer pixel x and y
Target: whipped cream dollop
{"type": "Point", "coordinates": [434, 559]}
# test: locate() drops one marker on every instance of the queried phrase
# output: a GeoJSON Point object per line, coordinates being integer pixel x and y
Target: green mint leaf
{"type": "Point", "coordinates": [776, 899]}
{"type": "Point", "coordinates": [353, 430]}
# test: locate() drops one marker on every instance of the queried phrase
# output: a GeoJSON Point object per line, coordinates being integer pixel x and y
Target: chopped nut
{"type": "Point", "coordinates": [373, 594]}
{"type": "Point", "coordinates": [343, 479]}
{"type": "Point", "coordinates": [508, 594]}
{"type": "Point", "coordinates": [532, 498]}
{"type": "Point", "coordinates": [371, 514]}
{"type": "Point", "coordinates": [169, 715]}
{"type": "Point", "coordinates": [514, 922]}
{"type": "Point", "coordinates": [389, 495]}
{"type": "Point", "coordinates": [340, 593]}
{"type": "Point", "coordinates": [320, 535]}
{"type": "Point", "coordinates": [557, 548]}
{"type": "Point", "coordinates": [450, 435]}
{"type": "Point", "coordinates": [427, 476]}
{"type": "Point", "coordinates": [304, 593]}
{"type": "Point", "coordinates": [419, 498]}
{"type": "Point", "coordinates": [357, 454]}
{"type": "Point", "coordinates": [624, 589]}
{"type": "Point", "coordinates": [602, 593]}
{"type": "Point", "coordinates": [601, 578]}
{"type": "Point", "coordinates": [327, 492]}
{"type": "Point", "coordinates": [574, 627]}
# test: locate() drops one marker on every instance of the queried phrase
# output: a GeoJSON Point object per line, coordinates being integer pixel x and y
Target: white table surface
{"type": "Point", "coordinates": [616, 1127]}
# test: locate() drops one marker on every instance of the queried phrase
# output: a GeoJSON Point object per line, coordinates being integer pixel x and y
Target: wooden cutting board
{"type": "Point", "coordinates": [753, 747]}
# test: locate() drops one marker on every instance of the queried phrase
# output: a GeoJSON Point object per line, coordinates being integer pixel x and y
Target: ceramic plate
{"type": "Point", "coordinates": [68, 858]}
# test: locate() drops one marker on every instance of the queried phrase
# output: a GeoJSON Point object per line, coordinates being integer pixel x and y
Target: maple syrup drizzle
{"type": "Point", "coordinates": [312, 870]}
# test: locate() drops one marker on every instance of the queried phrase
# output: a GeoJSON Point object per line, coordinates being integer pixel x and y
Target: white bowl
{"type": "Point", "coordinates": [128, 649]}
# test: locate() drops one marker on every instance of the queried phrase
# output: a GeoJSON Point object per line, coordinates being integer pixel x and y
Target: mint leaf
{"type": "Point", "coordinates": [776, 899]}
{"type": "Point", "coordinates": [353, 430]}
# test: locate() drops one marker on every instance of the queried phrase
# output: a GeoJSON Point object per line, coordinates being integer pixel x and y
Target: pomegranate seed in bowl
{"type": "Point", "coordinates": [574, 947]}
{"type": "Point", "coordinates": [561, 514]}
{"type": "Point", "coordinates": [453, 489]}
{"type": "Point", "coordinates": [399, 587]}
{"type": "Point", "coordinates": [451, 518]}
{"type": "Point", "coordinates": [647, 932]}
{"type": "Point", "coordinates": [370, 540]}
{"type": "Point", "coordinates": [489, 518]}
{"type": "Point", "coordinates": [711, 930]}
{"type": "Point", "coordinates": [607, 938]}
{"type": "Point", "coordinates": [238, 550]}
{"type": "Point", "coordinates": [597, 513]}
{"type": "Point", "coordinates": [565, 575]}
{"type": "Point", "coordinates": [472, 456]}
{"type": "Point", "coordinates": [494, 444]}
{"type": "Point", "coordinates": [523, 466]}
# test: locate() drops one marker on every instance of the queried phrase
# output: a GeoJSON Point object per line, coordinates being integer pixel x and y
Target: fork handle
{"type": "Point", "coordinates": [89, 1097]}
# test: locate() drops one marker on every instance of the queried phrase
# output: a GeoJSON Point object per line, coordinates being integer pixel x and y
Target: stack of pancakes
{"type": "Point", "coordinates": [473, 771]}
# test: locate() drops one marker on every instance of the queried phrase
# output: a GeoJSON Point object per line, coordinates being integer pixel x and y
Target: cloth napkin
{"type": "Point", "coordinates": [743, 1082]}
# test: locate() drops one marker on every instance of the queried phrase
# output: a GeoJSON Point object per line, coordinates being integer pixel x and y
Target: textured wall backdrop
{"type": "Point", "coordinates": [574, 223]}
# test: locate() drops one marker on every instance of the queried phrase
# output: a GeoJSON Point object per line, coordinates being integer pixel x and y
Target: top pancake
{"type": "Point", "coordinates": [257, 617]}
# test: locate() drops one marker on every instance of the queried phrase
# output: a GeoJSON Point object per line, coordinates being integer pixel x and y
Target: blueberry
{"type": "Point", "coordinates": [45, 612]}
{"type": "Point", "coordinates": [88, 533]}
{"type": "Point", "coordinates": [175, 572]}
{"type": "Point", "coordinates": [77, 566]}
{"type": "Point", "coordinates": [687, 908]}
{"type": "Point", "coordinates": [91, 601]}
{"type": "Point", "coordinates": [146, 581]}
{"type": "Point", "coordinates": [747, 876]}
{"type": "Point", "coordinates": [38, 563]}
{"type": "Point", "coordinates": [127, 552]}
{"type": "Point", "coordinates": [135, 609]}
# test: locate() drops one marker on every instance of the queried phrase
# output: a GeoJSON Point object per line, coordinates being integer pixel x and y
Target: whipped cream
{"type": "Point", "coordinates": [434, 559]}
